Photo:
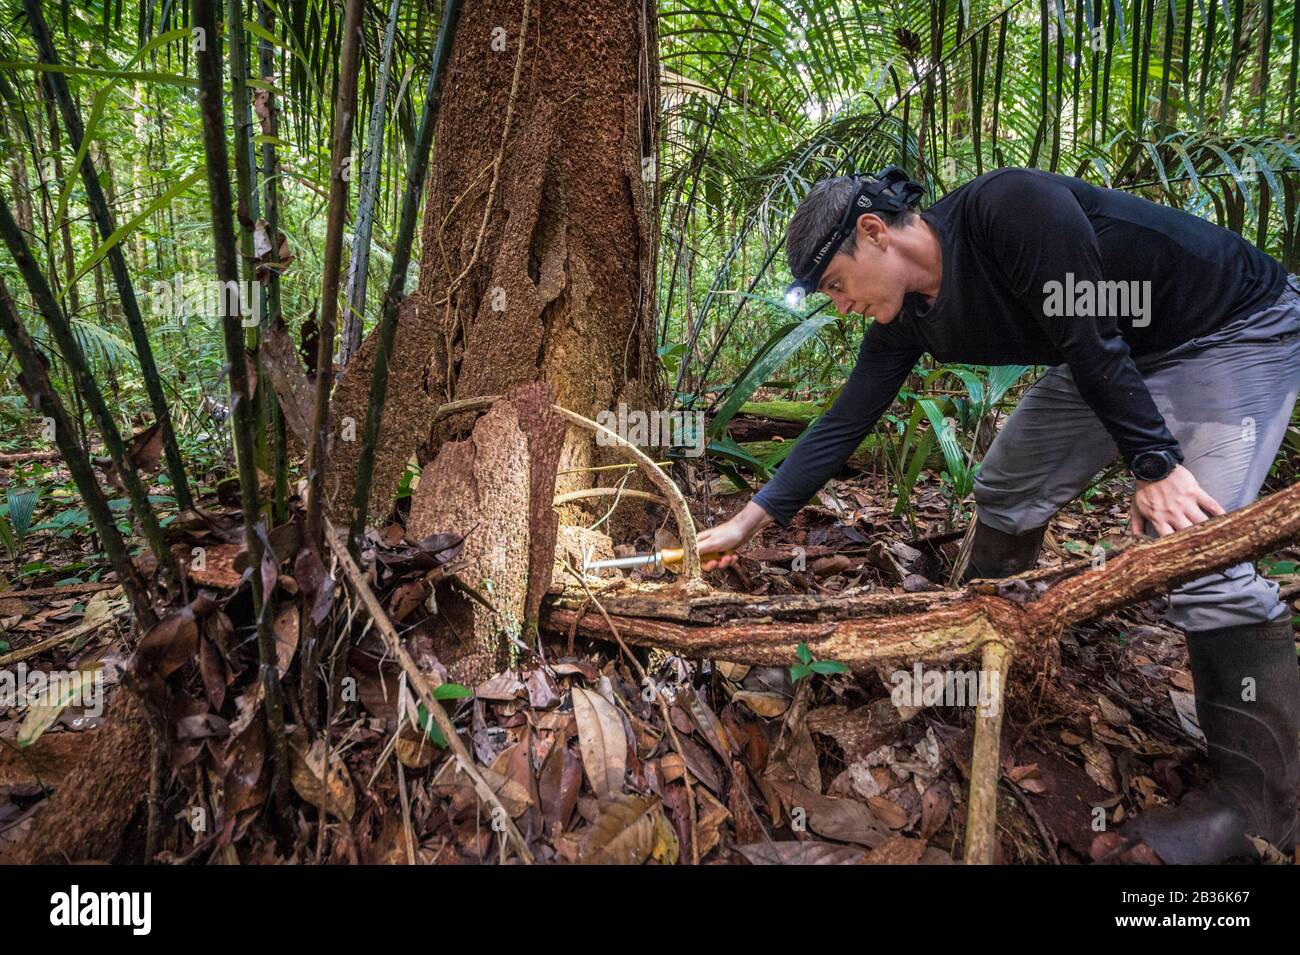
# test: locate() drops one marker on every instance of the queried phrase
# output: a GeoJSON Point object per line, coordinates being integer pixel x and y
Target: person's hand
{"type": "Point", "coordinates": [731, 535]}
{"type": "Point", "coordinates": [1171, 504]}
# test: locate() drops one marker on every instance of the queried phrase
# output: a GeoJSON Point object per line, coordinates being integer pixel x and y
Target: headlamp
{"type": "Point", "coordinates": [886, 191]}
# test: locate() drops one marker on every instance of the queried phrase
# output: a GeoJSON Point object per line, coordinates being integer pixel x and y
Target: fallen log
{"type": "Point", "coordinates": [18, 457]}
{"type": "Point", "coordinates": [60, 591]}
{"type": "Point", "coordinates": [865, 631]}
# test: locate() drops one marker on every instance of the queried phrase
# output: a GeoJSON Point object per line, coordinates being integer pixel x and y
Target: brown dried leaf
{"type": "Point", "coordinates": [1100, 765]}
{"type": "Point", "coordinates": [1185, 707]}
{"type": "Point", "coordinates": [936, 804]}
{"type": "Point", "coordinates": [808, 852]}
{"type": "Point", "coordinates": [707, 723]}
{"type": "Point", "coordinates": [288, 378]}
{"type": "Point", "coordinates": [888, 812]}
{"type": "Point", "coordinates": [846, 820]}
{"type": "Point", "coordinates": [858, 731]}
{"type": "Point", "coordinates": [828, 566]}
{"type": "Point", "coordinates": [451, 781]}
{"type": "Point", "coordinates": [558, 783]}
{"type": "Point", "coordinates": [322, 781]}
{"type": "Point", "coordinates": [899, 850]}
{"type": "Point", "coordinates": [414, 749]}
{"type": "Point", "coordinates": [767, 705]}
{"type": "Point", "coordinates": [629, 830]}
{"type": "Point", "coordinates": [262, 252]}
{"type": "Point", "coordinates": [169, 644]}
{"type": "Point", "coordinates": [244, 785]}
{"type": "Point", "coordinates": [1018, 774]}
{"type": "Point", "coordinates": [1112, 713]}
{"type": "Point", "coordinates": [286, 637]}
{"type": "Point", "coordinates": [602, 740]}
{"type": "Point", "coordinates": [542, 691]}
{"type": "Point", "coordinates": [144, 449]}
{"type": "Point", "coordinates": [503, 687]}
{"type": "Point", "coordinates": [712, 814]}
{"type": "Point", "coordinates": [406, 599]}
{"type": "Point", "coordinates": [213, 670]}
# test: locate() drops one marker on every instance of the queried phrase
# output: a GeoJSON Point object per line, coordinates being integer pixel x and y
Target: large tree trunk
{"type": "Point", "coordinates": [539, 232]}
{"type": "Point", "coordinates": [557, 283]}
{"type": "Point", "coordinates": [537, 270]}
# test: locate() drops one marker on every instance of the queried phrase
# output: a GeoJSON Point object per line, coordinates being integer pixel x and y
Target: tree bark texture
{"type": "Point", "coordinates": [539, 233]}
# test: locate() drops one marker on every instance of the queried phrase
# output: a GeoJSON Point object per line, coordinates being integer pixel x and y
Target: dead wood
{"type": "Point", "coordinates": [867, 630]}
{"type": "Point", "coordinates": [20, 456]}
{"type": "Point", "coordinates": [544, 430]}
{"type": "Point", "coordinates": [480, 487]}
{"type": "Point", "coordinates": [67, 636]}
{"type": "Point", "coordinates": [61, 590]}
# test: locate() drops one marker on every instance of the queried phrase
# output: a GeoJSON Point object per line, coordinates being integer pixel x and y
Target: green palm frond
{"type": "Point", "coordinates": [1185, 103]}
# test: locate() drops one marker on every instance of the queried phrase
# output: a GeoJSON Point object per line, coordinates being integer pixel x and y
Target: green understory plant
{"type": "Point", "coordinates": [809, 665]}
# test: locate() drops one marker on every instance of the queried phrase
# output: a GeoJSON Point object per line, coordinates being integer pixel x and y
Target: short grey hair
{"type": "Point", "coordinates": [820, 212]}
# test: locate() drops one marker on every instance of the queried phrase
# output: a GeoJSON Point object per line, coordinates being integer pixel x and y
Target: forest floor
{"type": "Point", "coordinates": [828, 769]}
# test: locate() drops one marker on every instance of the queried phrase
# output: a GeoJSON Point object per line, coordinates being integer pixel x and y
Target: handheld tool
{"type": "Point", "coordinates": [660, 558]}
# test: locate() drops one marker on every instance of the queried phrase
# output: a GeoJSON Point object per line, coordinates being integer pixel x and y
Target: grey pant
{"type": "Point", "coordinates": [1227, 399]}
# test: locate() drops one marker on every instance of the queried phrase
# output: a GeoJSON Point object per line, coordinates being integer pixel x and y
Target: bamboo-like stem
{"type": "Point", "coordinates": [340, 153]}
{"type": "Point", "coordinates": [271, 204]}
{"type": "Point", "coordinates": [345, 105]}
{"type": "Point", "coordinates": [157, 776]}
{"type": "Point", "coordinates": [359, 263]}
{"type": "Point", "coordinates": [416, 169]}
{"type": "Point", "coordinates": [35, 382]}
{"type": "Point", "coordinates": [75, 359]}
{"type": "Point", "coordinates": [227, 261]}
{"type": "Point", "coordinates": [57, 85]}
{"type": "Point", "coordinates": [986, 762]}
{"type": "Point", "coordinates": [241, 122]}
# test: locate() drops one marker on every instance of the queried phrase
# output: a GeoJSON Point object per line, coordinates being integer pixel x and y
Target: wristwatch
{"type": "Point", "coordinates": [1153, 465]}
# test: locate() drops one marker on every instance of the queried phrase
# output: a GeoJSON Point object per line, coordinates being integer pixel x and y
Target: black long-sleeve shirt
{"type": "Point", "coordinates": [1006, 237]}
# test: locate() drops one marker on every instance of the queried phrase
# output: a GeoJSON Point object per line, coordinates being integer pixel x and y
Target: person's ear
{"type": "Point", "coordinates": [870, 228]}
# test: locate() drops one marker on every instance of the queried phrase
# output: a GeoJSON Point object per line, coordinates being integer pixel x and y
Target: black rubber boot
{"type": "Point", "coordinates": [994, 554]}
{"type": "Point", "coordinates": [1253, 754]}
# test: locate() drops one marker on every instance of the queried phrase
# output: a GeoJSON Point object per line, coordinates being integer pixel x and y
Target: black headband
{"type": "Point", "coordinates": [889, 190]}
